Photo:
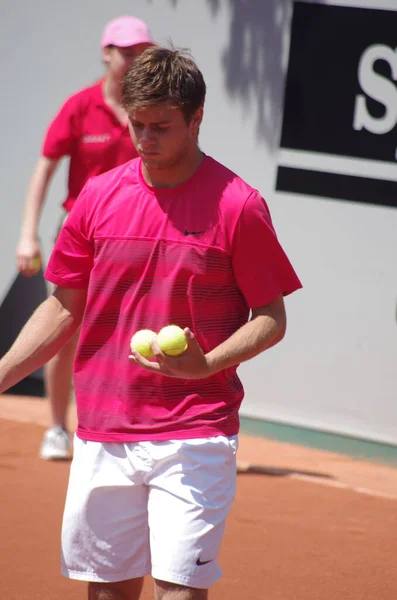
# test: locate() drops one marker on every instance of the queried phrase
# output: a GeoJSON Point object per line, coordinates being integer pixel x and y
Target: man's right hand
{"type": "Point", "coordinates": [29, 259]}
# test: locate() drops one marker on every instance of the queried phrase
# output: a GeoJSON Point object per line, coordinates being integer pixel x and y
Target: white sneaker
{"type": "Point", "coordinates": [56, 444]}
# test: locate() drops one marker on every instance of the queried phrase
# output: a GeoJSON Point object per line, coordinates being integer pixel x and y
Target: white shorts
{"type": "Point", "coordinates": [144, 508]}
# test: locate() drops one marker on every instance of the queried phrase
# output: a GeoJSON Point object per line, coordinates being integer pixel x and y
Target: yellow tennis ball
{"type": "Point", "coordinates": [141, 342]}
{"type": "Point", "coordinates": [172, 340]}
{"type": "Point", "coordinates": [36, 263]}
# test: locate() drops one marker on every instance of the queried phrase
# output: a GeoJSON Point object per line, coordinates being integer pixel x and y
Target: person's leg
{"type": "Point", "coordinates": [171, 591]}
{"type": "Point", "coordinates": [58, 374]}
{"type": "Point", "coordinates": [58, 381]}
{"type": "Point", "coordinates": [105, 534]}
{"type": "Point", "coordinates": [120, 590]}
{"type": "Point", "coordinates": [191, 489]}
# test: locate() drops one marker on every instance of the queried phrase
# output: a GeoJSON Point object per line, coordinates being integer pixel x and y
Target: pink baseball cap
{"type": "Point", "coordinates": [126, 31]}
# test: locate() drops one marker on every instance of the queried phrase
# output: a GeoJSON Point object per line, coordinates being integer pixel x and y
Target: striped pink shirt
{"type": "Point", "coordinates": [200, 256]}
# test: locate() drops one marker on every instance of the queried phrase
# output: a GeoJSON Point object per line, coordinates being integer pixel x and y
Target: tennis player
{"type": "Point", "coordinates": [170, 237]}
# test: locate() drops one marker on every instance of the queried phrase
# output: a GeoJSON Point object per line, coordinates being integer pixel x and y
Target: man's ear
{"type": "Point", "coordinates": [197, 119]}
{"type": "Point", "coordinates": [106, 54]}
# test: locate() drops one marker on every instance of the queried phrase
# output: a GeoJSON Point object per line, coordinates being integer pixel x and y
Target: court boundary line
{"type": "Point", "coordinates": [341, 485]}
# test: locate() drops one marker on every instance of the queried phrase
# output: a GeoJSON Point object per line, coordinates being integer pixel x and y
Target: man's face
{"type": "Point", "coordinates": [119, 60]}
{"type": "Point", "coordinates": [162, 136]}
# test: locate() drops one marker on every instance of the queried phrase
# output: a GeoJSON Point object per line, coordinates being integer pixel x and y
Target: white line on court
{"type": "Point", "coordinates": [341, 485]}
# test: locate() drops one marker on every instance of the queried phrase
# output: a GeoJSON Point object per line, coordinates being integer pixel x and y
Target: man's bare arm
{"type": "Point", "coordinates": [28, 246]}
{"type": "Point", "coordinates": [48, 329]}
{"type": "Point", "coordinates": [265, 329]}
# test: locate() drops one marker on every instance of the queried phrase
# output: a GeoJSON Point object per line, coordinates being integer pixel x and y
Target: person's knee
{"type": "Point", "coordinates": [119, 590]}
{"type": "Point", "coordinates": [104, 591]}
{"type": "Point", "coordinates": [70, 347]}
{"type": "Point", "coordinates": [172, 591]}
{"type": "Point", "coordinates": [66, 354]}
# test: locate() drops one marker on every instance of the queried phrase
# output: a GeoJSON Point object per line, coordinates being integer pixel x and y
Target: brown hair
{"type": "Point", "coordinates": [162, 75]}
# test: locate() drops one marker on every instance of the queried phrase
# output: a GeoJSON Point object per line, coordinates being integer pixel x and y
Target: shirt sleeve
{"type": "Point", "coordinates": [72, 259]}
{"type": "Point", "coordinates": [262, 269]}
{"type": "Point", "coordinates": [62, 131]}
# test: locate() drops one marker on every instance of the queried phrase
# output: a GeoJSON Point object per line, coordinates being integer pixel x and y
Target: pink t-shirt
{"type": "Point", "coordinates": [199, 256]}
{"type": "Point", "coordinates": [87, 130]}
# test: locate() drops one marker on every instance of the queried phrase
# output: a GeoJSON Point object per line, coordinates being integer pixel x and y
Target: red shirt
{"type": "Point", "coordinates": [199, 256]}
{"type": "Point", "coordinates": [87, 130]}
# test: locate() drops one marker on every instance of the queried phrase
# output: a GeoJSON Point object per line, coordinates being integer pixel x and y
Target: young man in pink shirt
{"type": "Point", "coordinates": [170, 237]}
{"type": "Point", "coordinates": [91, 129]}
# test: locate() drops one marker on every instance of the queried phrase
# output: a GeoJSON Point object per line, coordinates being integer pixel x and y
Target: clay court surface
{"type": "Point", "coordinates": [312, 525]}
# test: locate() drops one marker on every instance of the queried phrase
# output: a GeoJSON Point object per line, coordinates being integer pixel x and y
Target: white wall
{"type": "Point", "coordinates": [335, 370]}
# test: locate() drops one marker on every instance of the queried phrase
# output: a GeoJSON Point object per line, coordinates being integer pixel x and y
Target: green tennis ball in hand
{"type": "Point", "coordinates": [141, 342]}
{"type": "Point", "coordinates": [172, 340]}
{"type": "Point", "coordinates": [36, 264]}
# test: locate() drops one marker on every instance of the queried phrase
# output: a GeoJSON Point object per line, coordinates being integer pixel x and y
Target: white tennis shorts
{"type": "Point", "coordinates": [144, 508]}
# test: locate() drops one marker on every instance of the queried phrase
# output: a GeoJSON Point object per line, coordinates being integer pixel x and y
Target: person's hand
{"type": "Point", "coordinates": [192, 364]}
{"type": "Point", "coordinates": [29, 259]}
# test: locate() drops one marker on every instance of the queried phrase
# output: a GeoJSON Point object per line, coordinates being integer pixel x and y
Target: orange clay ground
{"type": "Point", "coordinates": [309, 525]}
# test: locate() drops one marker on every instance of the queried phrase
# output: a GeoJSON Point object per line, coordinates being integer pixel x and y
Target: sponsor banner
{"type": "Point", "coordinates": [339, 134]}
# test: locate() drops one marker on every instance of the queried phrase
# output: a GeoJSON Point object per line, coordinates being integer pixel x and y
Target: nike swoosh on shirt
{"type": "Point", "coordinates": [186, 232]}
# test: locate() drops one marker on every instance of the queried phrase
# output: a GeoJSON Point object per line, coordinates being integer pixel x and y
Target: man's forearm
{"type": "Point", "coordinates": [259, 334]}
{"type": "Point", "coordinates": [38, 185]}
{"type": "Point", "coordinates": [49, 328]}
